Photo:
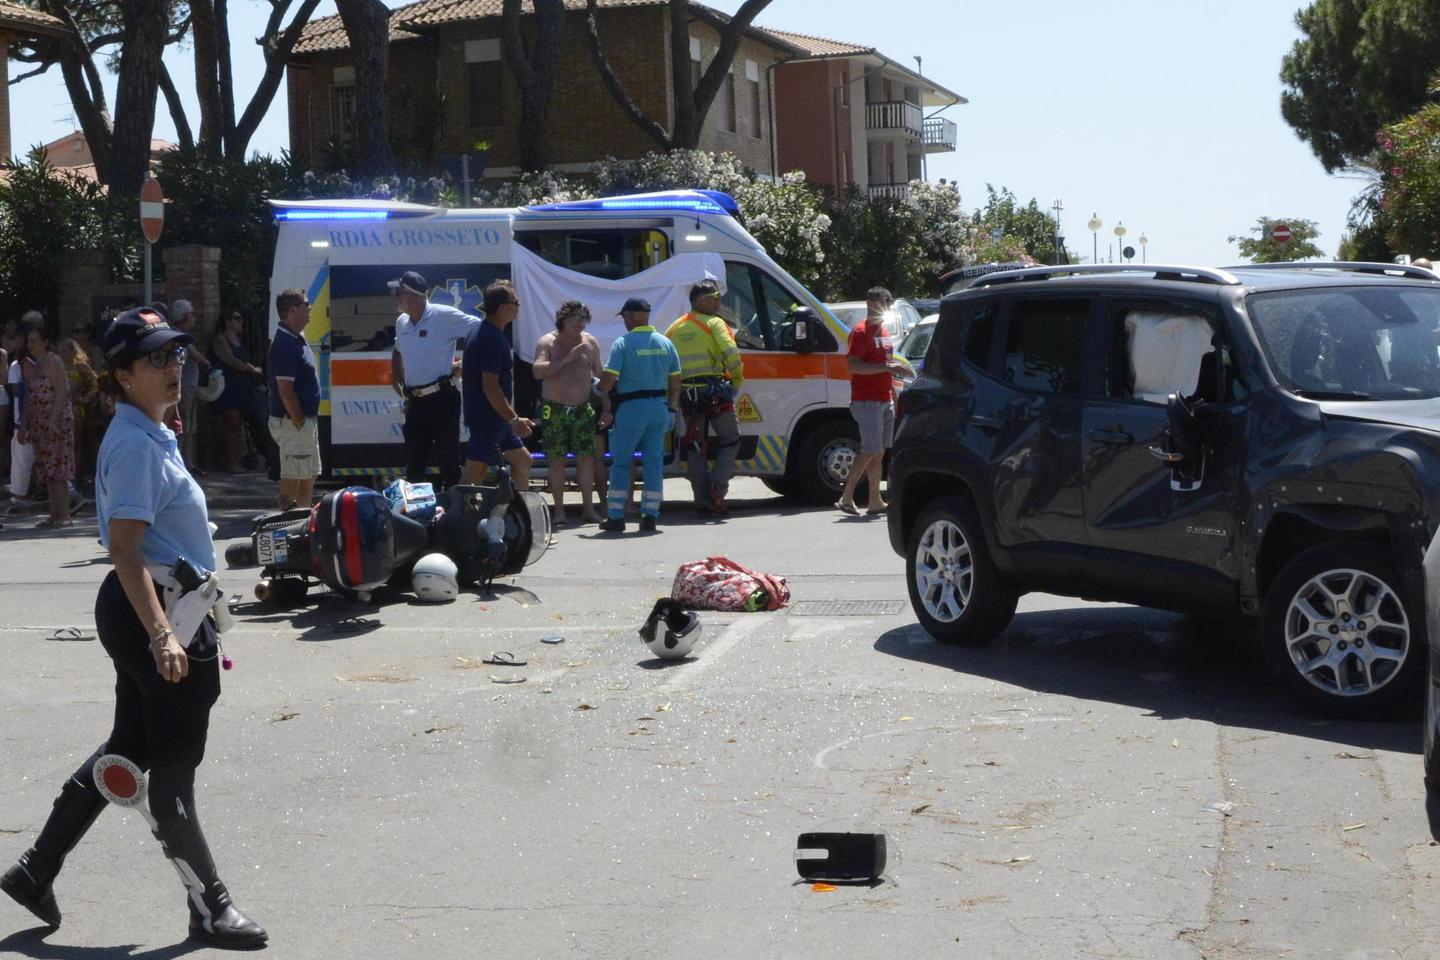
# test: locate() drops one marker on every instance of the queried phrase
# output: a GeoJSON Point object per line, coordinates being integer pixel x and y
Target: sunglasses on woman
{"type": "Point", "coordinates": [160, 359]}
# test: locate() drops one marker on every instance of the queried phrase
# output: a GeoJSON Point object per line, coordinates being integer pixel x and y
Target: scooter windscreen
{"type": "Point", "coordinates": [523, 551]}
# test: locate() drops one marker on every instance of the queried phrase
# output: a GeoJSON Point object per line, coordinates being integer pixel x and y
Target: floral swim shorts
{"type": "Point", "coordinates": [567, 429]}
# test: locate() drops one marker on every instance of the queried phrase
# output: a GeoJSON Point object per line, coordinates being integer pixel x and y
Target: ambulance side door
{"type": "Point", "coordinates": [780, 384]}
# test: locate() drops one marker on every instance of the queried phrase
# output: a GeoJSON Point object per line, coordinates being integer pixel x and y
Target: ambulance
{"type": "Point", "coordinates": [796, 431]}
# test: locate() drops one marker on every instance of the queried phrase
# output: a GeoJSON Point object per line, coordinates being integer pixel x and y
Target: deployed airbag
{"type": "Point", "coordinates": [1166, 350]}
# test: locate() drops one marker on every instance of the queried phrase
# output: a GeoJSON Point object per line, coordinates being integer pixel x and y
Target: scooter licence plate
{"type": "Point", "coordinates": [270, 547]}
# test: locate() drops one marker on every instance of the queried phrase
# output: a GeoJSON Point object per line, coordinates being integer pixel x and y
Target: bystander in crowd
{"type": "Point", "coordinates": [294, 400]}
{"type": "Point", "coordinates": [22, 454]}
{"type": "Point", "coordinates": [237, 403]}
{"type": "Point", "coordinates": [85, 404]}
{"type": "Point", "coordinates": [567, 363]}
{"type": "Point", "coordinates": [47, 425]}
{"type": "Point", "coordinates": [488, 386]}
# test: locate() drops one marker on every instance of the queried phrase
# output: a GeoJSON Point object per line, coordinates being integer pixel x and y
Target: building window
{"type": "Point", "coordinates": [752, 81]}
{"type": "Point", "coordinates": [342, 112]}
{"type": "Point", "coordinates": [484, 83]}
{"type": "Point", "coordinates": [726, 103]}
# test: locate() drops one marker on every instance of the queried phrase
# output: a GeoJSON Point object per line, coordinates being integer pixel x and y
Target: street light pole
{"type": "Point", "coordinates": [1056, 236]}
{"type": "Point", "coordinates": [1144, 240]}
{"type": "Point", "coordinates": [1094, 226]}
{"type": "Point", "coordinates": [1120, 232]}
{"type": "Point", "coordinates": [924, 153]}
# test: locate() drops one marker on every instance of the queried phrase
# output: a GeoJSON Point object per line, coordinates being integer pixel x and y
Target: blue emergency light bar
{"type": "Point", "coordinates": [685, 201]}
{"type": "Point", "coordinates": [332, 214]}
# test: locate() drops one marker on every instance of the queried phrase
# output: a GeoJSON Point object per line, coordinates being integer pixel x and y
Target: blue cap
{"type": "Point", "coordinates": [137, 332]}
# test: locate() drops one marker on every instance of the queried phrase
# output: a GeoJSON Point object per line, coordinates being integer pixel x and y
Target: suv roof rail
{"type": "Point", "coordinates": [1401, 270]}
{"type": "Point", "coordinates": [1161, 271]}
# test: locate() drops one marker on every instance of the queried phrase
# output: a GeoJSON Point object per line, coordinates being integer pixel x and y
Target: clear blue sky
{"type": "Point", "coordinates": [1164, 115]}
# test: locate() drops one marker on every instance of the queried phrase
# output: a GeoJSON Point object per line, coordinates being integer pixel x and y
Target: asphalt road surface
{"type": "Point", "coordinates": [1103, 781]}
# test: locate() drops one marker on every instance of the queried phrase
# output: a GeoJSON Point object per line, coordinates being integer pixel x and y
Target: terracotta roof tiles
{"type": "Point", "coordinates": [817, 46]}
{"type": "Point", "coordinates": [13, 15]}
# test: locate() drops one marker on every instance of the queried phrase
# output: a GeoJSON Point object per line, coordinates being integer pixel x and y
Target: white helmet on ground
{"type": "Point", "coordinates": [435, 578]}
{"type": "Point", "coordinates": [670, 631]}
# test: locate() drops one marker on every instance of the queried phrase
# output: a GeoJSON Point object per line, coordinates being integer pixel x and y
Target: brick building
{"type": "Point", "coordinates": [448, 86]}
{"type": "Point", "coordinates": [849, 114]}
{"type": "Point", "coordinates": [786, 104]}
{"type": "Point", "coordinates": [18, 23]}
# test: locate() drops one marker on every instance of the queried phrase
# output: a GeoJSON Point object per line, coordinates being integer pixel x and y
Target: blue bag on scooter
{"type": "Point", "coordinates": [414, 500]}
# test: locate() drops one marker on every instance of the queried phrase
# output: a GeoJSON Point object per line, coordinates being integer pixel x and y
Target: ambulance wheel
{"type": "Point", "coordinates": [822, 462]}
{"type": "Point", "coordinates": [241, 554]}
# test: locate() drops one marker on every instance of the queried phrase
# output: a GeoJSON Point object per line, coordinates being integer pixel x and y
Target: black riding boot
{"type": "Point", "coordinates": [214, 918]}
{"type": "Point", "coordinates": [29, 881]}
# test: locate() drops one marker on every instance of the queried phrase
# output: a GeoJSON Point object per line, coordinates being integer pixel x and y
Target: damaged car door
{"type": "Point", "coordinates": [1163, 442]}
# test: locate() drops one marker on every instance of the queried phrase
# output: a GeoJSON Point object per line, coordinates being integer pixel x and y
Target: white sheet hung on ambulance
{"type": "Point", "coordinates": [1166, 350]}
{"type": "Point", "coordinates": [541, 287]}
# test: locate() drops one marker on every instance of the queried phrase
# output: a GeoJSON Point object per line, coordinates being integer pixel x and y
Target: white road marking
{"type": "Point", "coordinates": [708, 655]}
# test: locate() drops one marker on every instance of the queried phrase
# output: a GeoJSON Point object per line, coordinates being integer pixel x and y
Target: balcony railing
{"type": "Point", "coordinates": [901, 115]}
{"type": "Point", "coordinates": [889, 191]}
{"type": "Point", "coordinates": [939, 135]}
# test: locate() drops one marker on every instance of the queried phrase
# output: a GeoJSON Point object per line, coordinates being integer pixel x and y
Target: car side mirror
{"type": "Point", "coordinates": [807, 329]}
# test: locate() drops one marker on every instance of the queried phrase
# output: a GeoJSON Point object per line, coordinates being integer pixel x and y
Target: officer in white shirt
{"type": "Point", "coordinates": [422, 370]}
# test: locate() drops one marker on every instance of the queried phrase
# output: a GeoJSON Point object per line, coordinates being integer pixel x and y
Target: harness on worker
{"type": "Point", "coordinates": [710, 398]}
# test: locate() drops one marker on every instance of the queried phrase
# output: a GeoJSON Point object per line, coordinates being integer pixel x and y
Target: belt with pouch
{"type": "Point", "coordinates": [194, 603]}
{"type": "Point", "coordinates": [415, 393]}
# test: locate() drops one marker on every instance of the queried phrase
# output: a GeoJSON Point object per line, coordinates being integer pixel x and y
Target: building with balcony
{"type": "Point", "coordinates": [450, 87]}
{"type": "Point", "coordinates": [847, 114]}
{"type": "Point", "coordinates": [842, 113]}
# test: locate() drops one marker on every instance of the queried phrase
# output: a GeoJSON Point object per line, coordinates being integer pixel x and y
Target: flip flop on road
{"type": "Point", "coordinates": [503, 658]}
{"type": "Point", "coordinates": [71, 633]}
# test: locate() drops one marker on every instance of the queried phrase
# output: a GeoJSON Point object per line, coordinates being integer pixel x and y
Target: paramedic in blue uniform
{"type": "Point", "coordinates": [422, 371]}
{"type": "Point", "coordinates": [151, 513]}
{"type": "Point", "coordinates": [644, 369]}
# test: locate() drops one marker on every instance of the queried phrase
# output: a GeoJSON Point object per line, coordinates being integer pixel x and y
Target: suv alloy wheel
{"type": "Point", "coordinates": [1339, 631]}
{"type": "Point", "coordinates": [955, 589]}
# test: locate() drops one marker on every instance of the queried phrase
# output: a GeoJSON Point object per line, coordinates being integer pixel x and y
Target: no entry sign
{"type": "Point", "coordinates": [1280, 233]}
{"type": "Point", "coordinates": [152, 210]}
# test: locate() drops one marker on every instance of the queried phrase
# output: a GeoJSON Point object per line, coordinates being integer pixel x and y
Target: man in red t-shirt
{"type": "Point", "coordinates": [871, 357]}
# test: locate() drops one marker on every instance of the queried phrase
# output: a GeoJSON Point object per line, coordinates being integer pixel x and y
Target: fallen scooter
{"type": "Point", "coordinates": [355, 542]}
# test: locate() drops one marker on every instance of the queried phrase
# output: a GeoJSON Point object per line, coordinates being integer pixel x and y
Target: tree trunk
{"type": "Point", "coordinates": [277, 45]}
{"type": "Point", "coordinates": [692, 103]}
{"type": "Point", "coordinates": [139, 78]}
{"type": "Point", "coordinates": [534, 74]}
{"type": "Point", "coordinates": [225, 76]}
{"type": "Point", "coordinates": [177, 109]}
{"type": "Point", "coordinates": [367, 25]}
{"type": "Point", "coordinates": [640, 118]}
{"type": "Point", "coordinates": [686, 134]}
{"type": "Point", "coordinates": [205, 25]}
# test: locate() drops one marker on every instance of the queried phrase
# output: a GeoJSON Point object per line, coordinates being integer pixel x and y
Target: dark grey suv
{"type": "Point", "coordinates": [1249, 443]}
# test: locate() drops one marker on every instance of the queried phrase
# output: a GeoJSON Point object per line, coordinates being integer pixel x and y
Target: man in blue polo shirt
{"type": "Point", "coordinates": [294, 400]}
{"type": "Point", "coordinates": [488, 379]}
{"type": "Point", "coordinates": [644, 368]}
{"type": "Point", "coordinates": [422, 368]}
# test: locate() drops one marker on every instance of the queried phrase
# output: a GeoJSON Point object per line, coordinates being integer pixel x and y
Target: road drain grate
{"type": "Point", "coordinates": [846, 608]}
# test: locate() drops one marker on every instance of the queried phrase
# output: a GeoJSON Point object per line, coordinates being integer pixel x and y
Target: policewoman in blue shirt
{"type": "Point", "coordinates": [152, 515]}
{"type": "Point", "coordinates": [644, 369]}
{"type": "Point", "coordinates": [422, 368]}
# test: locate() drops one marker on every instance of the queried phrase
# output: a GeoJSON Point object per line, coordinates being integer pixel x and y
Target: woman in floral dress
{"type": "Point", "coordinates": [48, 424]}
